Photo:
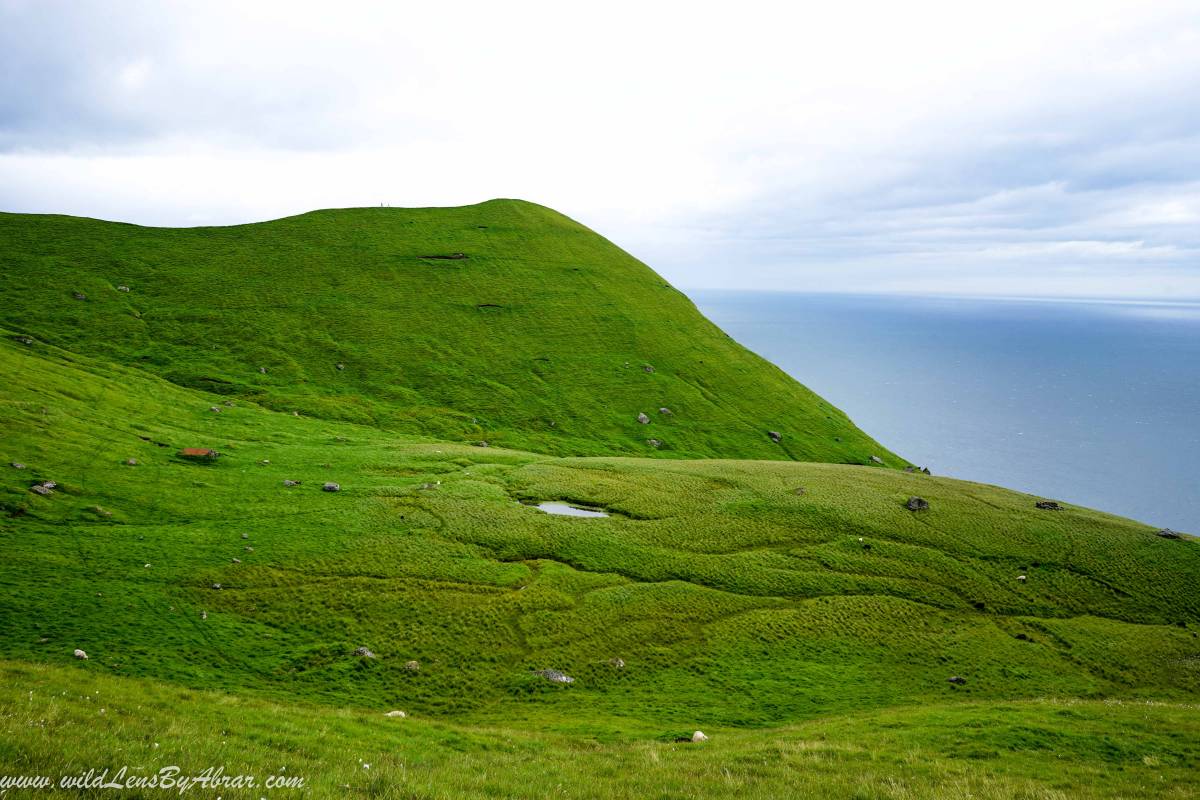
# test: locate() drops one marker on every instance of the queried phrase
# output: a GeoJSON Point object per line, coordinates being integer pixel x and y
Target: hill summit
{"type": "Point", "coordinates": [502, 322]}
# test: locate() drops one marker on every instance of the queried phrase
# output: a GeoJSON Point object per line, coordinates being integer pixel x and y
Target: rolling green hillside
{"type": "Point", "coordinates": [799, 613]}
{"type": "Point", "coordinates": [543, 336]}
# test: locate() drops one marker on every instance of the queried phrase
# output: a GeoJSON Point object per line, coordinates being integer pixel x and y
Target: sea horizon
{"type": "Point", "coordinates": [1092, 401]}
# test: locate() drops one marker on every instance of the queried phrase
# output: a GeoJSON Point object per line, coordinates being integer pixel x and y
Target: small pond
{"type": "Point", "coordinates": [569, 510]}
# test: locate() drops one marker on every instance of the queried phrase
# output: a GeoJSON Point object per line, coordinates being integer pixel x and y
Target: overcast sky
{"type": "Point", "coordinates": [1018, 148]}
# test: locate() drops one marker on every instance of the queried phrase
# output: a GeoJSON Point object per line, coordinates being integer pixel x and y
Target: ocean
{"type": "Point", "coordinates": [1095, 403]}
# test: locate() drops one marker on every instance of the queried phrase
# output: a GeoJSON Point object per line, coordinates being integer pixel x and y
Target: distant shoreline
{"type": "Point", "coordinates": [1112, 301]}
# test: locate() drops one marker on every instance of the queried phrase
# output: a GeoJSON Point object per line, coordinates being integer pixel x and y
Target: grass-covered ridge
{"type": "Point", "coordinates": [543, 335]}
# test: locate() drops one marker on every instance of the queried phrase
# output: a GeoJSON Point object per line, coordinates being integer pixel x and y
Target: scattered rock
{"type": "Point", "coordinates": [699, 736]}
{"type": "Point", "coordinates": [655, 443]}
{"type": "Point", "coordinates": [216, 586]}
{"type": "Point", "coordinates": [249, 549]}
{"type": "Point", "coordinates": [1021, 578]}
{"type": "Point", "coordinates": [203, 615]}
{"type": "Point", "coordinates": [236, 560]}
{"type": "Point", "coordinates": [122, 288]}
{"type": "Point", "coordinates": [79, 295]}
{"type": "Point", "coordinates": [396, 713]}
{"type": "Point", "coordinates": [82, 656]}
{"type": "Point", "coordinates": [339, 366]}
{"type": "Point", "coordinates": [331, 487]}
{"type": "Point", "coordinates": [229, 404]}
{"type": "Point", "coordinates": [917, 504]}
{"type": "Point", "coordinates": [147, 566]}
{"type": "Point", "coordinates": [17, 465]}
{"type": "Point", "coordinates": [647, 368]}
{"type": "Point", "coordinates": [1167, 533]}
{"type": "Point", "coordinates": [215, 409]}
{"type": "Point", "coordinates": [412, 666]}
{"type": "Point", "coordinates": [799, 490]}
{"type": "Point", "coordinates": [42, 489]}
{"type": "Point", "coordinates": [642, 418]}
{"type": "Point", "coordinates": [1048, 505]}
{"type": "Point", "coordinates": [957, 680]}
{"type": "Point", "coordinates": [245, 536]}
{"type": "Point", "coordinates": [482, 443]}
{"type": "Point", "coordinates": [262, 370]}
{"type": "Point", "coordinates": [288, 482]}
{"type": "Point", "coordinates": [24, 340]}
{"type": "Point", "coordinates": [554, 676]}
{"type": "Point", "coordinates": [100, 512]}
{"type": "Point", "coordinates": [363, 652]}
{"type": "Point", "coordinates": [666, 412]}
{"type": "Point", "coordinates": [776, 436]}
{"type": "Point", "coordinates": [131, 462]}
{"type": "Point", "coordinates": [876, 460]}
{"type": "Point", "coordinates": [617, 663]}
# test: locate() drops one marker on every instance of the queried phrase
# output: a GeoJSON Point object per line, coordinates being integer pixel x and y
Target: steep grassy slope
{"type": "Point", "coordinates": [542, 337]}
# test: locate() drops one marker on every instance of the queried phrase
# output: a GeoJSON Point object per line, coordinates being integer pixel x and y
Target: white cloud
{"type": "Point", "coordinates": [755, 144]}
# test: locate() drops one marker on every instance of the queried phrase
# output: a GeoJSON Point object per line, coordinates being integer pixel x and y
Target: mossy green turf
{"type": "Point", "coordinates": [540, 338]}
{"type": "Point", "coordinates": [57, 721]}
{"type": "Point", "coordinates": [811, 634]}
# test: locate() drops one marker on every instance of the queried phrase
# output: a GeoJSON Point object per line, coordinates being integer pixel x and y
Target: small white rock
{"type": "Point", "coordinates": [396, 713]}
{"type": "Point", "coordinates": [699, 736]}
{"type": "Point", "coordinates": [82, 656]}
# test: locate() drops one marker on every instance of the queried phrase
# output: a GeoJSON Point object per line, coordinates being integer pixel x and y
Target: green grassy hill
{"type": "Point", "coordinates": [798, 613]}
{"type": "Point", "coordinates": [543, 336]}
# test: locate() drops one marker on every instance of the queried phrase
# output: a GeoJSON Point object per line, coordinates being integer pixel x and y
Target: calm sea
{"type": "Point", "coordinates": [1090, 402]}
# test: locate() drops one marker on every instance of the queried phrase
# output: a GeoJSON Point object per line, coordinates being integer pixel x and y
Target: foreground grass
{"type": "Point", "coordinates": [58, 721]}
